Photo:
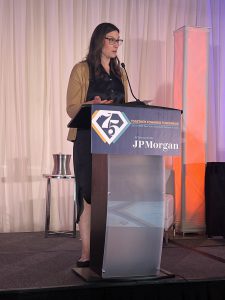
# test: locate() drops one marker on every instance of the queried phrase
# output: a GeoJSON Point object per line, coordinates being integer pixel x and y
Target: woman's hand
{"type": "Point", "coordinates": [97, 100]}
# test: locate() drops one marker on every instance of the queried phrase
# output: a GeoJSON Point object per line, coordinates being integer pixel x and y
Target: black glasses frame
{"type": "Point", "coordinates": [113, 41]}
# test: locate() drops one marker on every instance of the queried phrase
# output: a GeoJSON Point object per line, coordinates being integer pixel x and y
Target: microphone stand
{"type": "Point", "coordinates": [137, 101]}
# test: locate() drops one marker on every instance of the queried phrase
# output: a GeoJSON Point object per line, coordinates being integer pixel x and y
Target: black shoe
{"type": "Point", "coordinates": [83, 264]}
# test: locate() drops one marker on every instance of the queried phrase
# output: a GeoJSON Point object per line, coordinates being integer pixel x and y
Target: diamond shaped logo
{"type": "Point", "coordinates": [109, 124]}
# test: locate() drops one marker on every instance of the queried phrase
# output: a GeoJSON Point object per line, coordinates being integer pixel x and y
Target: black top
{"type": "Point", "coordinates": [107, 87]}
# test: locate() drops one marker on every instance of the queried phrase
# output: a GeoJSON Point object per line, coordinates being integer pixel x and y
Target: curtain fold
{"type": "Point", "coordinates": [41, 40]}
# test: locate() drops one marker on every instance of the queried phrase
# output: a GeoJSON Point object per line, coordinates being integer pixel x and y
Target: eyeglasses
{"type": "Point", "coordinates": [113, 41]}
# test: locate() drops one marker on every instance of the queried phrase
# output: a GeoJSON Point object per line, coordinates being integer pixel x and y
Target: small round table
{"type": "Point", "coordinates": [49, 177]}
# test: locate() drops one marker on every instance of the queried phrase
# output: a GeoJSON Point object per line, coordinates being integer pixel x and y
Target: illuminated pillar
{"type": "Point", "coordinates": [191, 45]}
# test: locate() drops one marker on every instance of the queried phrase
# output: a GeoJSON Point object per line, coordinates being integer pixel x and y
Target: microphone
{"type": "Point", "coordinates": [137, 100]}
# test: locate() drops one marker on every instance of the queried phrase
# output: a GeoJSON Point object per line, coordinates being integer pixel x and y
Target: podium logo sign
{"type": "Point", "coordinates": [109, 124]}
{"type": "Point", "coordinates": [120, 129]}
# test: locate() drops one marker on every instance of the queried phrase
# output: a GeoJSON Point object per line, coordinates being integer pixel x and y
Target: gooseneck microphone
{"type": "Point", "coordinates": [123, 66]}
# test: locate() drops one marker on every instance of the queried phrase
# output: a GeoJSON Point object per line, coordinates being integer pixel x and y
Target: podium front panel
{"type": "Point", "coordinates": [134, 216]}
{"type": "Point", "coordinates": [135, 130]}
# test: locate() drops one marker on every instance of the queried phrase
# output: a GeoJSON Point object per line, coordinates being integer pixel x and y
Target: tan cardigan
{"type": "Point", "coordinates": [77, 91]}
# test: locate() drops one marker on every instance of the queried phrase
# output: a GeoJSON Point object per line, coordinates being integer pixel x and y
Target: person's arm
{"type": "Point", "coordinates": [77, 89]}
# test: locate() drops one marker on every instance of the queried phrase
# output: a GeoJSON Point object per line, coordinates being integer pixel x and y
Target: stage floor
{"type": "Point", "coordinates": [29, 261]}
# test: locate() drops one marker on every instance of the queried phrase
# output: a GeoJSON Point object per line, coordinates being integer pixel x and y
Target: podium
{"type": "Point", "coordinates": [128, 143]}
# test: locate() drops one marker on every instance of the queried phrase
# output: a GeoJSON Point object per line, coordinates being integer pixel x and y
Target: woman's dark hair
{"type": "Point", "coordinates": [95, 50]}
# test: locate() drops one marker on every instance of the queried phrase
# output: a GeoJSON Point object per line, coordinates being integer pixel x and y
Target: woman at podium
{"type": "Point", "coordinates": [98, 79]}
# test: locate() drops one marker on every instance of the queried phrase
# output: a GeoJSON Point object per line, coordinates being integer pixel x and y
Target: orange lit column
{"type": "Point", "coordinates": [190, 94]}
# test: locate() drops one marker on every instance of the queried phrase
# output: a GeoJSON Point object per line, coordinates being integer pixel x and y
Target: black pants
{"type": "Point", "coordinates": [82, 160]}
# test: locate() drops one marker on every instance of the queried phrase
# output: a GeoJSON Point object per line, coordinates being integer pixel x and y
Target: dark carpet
{"type": "Point", "coordinates": [30, 262]}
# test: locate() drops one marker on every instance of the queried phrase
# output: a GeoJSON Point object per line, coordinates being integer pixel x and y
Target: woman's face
{"type": "Point", "coordinates": [110, 45]}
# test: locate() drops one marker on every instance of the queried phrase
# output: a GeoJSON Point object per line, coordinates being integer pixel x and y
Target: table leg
{"type": "Point", "coordinates": [48, 203]}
